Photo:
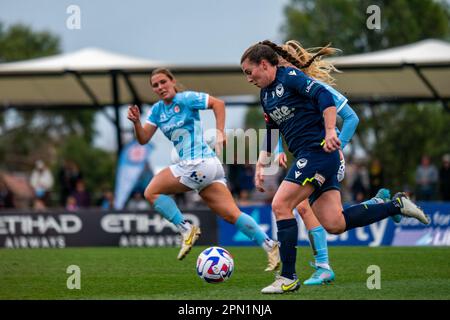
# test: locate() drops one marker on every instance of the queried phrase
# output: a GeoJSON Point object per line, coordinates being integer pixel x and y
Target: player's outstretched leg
{"type": "Point", "coordinates": [248, 226]}
{"type": "Point", "coordinates": [189, 233]}
{"type": "Point", "coordinates": [384, 195]}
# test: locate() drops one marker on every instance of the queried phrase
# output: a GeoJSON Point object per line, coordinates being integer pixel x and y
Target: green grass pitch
{"type": "Point", "coordinates": [154, 273]}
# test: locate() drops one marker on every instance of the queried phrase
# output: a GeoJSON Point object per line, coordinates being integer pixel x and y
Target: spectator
{"type": "Point", "coordinates": [39, 205]}
{"type": "Point", "coordinates": [42, 181]}
{"type": "Point", "coordinates": [444, 178]}
{"type": "Point", "coordinates": [247, 184]}
{"type": "Point", "coordinates": [71, 204]}
{"type": "Point", "coordinates": [359, 184]}
{"type": "Point", "coordinates": [68, 175]}
{"type": "Point", "coordinates": [137, 202]}
{"type": "Point", "coordinates": [426, 179]}
{"type": "Point", "coordinates": [107, 200]}
{"type": "Point", "coordinates": [376, 177]}
{"type": "Point", "coordinates": [81, 195]}
{"type": "Point", "coordinates": [6, 196]}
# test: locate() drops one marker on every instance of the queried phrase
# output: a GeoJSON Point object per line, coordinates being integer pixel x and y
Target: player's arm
{"type": "Point", "coordinates": [349, 125]}
{"type": "Point", "coordinates": [324, 101]}
{"type": "Point", "coordinates": [143, 133]}
{"type": "Point", "coordinates": [218, 107]}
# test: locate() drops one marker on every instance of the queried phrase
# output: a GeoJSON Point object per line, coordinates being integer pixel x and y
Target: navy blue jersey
{"type": "Point", "coordinates": [294, 104]}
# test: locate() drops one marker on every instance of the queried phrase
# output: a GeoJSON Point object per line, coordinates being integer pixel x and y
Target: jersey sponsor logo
{"type": "Point", "coordinates": [279, 90]}
{"type": "Point", "coordinates": [309, 85]}
{"type": "Point", "coordinates": [292, 73]}
{"type": "Point", "coordinates": [301, 163]}
{"type": "Point", "coordinates": [169, 127]}
{"type": "Point", "coordinates": [297, 174]}
{"type": "Point", "coordinates": [319, 178]}
{"type": "Point", "coordinates": [282, 114]}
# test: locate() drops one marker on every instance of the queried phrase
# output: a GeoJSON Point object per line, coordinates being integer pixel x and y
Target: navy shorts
{"type": "Point", "coordinates": [318, 168]}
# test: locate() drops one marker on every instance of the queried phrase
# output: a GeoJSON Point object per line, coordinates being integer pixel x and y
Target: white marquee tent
{"type": "Point", "coordinates": [94, 78]}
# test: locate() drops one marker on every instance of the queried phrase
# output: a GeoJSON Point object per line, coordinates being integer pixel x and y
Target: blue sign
{"type": "Point", "coordinates": [229, 235]}
{"type": "Point", "coordinates": [409, 232]}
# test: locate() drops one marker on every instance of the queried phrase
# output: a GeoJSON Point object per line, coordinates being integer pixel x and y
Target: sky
{"type": "Point", "coordinates": [174, 31]}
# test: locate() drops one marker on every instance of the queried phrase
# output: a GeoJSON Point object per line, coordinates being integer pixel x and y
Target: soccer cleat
{"type": "Point", "coordinates": [320, 276]}
{"type": "Point", "coordinates": [188, 239]}
{"type": "Point", "coordinates": [273, 257]}
{"type": "Point", "coordinates": [409, 208]}
{"type": "Point", "coordinates": [282, 285]}
{"type": "Point", "coordinates": [385, 195]}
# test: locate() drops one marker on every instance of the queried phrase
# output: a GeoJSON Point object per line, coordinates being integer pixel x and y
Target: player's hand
{"type": "Point", "coordinates": [281, 159]}
{"type": "Point", "coordinates": [332, 142]}
{"type": "Point", "coordinates": [133, 114]}
{"type": "Point", "coordinates": [259, 178]}
{"type": "Point", "coordinates": [221, 141]}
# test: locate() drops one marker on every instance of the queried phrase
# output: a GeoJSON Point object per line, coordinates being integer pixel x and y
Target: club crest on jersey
{"type": "Point", "coordinates": [176, 109]}
{"type": "Point", "coordinates": [279, 90]}
{"type": "Point", "coordinates": [301, 163]}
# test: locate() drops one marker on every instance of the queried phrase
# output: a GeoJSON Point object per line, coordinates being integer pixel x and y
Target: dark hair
{"type": "Point", "coordinates": [268, 50]}
{"type": "Point", "coordinates": [258, 52]}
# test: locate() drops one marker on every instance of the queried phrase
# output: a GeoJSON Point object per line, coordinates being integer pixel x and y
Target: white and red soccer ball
{"type": "Point", "coordinates": [215, 265]}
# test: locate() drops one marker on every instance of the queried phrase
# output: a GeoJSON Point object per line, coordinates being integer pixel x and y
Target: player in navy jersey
{"type": "Point", "coordinates": [304, 112]}
{"type": "Point", "coordinates": [317, 235]}
{"type": "Point", "coordinates": [177, 115]}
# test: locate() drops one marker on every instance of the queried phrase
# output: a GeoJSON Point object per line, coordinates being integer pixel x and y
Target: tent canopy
{"type": "Point", "coordinates": [413, 72]}
{"type": "Point", "coordinates": [88, 78]}
{"type": "Point", "coordinates": [97, 78]}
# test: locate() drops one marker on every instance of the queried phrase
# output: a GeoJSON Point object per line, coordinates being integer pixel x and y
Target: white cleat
{"type": "Point", "coordinates": [410, 209]}
{"type": "Point", "coordinates": [273, 257]}
{"type": "Point", "coordinates": [282, 285]}
{"type": "Point", "coordinates": [188, 239]}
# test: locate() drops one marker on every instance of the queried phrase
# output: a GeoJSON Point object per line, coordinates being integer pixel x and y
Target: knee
{"type": "Point", "coordinates": [150, 196]}
{"type": "Point", "coordinates": [303, 210]}
{"type": "Point", "coordinates": [334, 228]}
{"type": "Point", "coordinates": [281, 211]}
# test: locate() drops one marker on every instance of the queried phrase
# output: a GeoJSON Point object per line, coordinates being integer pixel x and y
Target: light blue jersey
{"type": "Point", "coordinates": [180, 123]}
{"type": "Point", "coordinates": [339, 99]}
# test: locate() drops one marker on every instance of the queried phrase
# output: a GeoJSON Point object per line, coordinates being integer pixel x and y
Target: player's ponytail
{"type": "Point", "coordinates": [311, 60]}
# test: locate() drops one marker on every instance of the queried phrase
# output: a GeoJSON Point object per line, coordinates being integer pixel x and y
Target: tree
{"type": "Point", "coordinates": [343, 22]}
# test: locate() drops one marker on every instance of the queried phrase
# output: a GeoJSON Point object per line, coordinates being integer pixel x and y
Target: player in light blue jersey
{"type": "Point", "coordinates": [177, 115]}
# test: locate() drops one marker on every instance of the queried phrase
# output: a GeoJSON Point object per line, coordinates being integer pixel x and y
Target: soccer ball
{"type": "Point", "coordinates": [215, 265]}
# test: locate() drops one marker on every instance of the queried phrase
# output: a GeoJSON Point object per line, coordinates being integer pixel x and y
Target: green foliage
{"type": "Point", "coordinates": [20, 42]}
{"type": "Point", "coordinates": [405, 133]}
{"type": "Point", "coordinates": [343, 22]}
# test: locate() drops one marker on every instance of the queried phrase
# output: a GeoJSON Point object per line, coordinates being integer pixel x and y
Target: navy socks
{"type": "Point", "coordinates": [287, 236]}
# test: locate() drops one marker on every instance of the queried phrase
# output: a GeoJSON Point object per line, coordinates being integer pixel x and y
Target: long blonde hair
{"type": "Point", "coordinates": [311, 59]}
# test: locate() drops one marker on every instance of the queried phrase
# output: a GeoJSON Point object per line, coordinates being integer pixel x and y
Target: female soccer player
{"type": "Point", "coordinates": [177, 115]}
{"type": "Point", "coordinates": [319, 71]}
{"type": "Point", "coordinates": [305, 113]}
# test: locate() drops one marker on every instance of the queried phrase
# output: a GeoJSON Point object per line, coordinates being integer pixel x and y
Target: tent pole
{"type": "Point", "coordinates": [116, 102]}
